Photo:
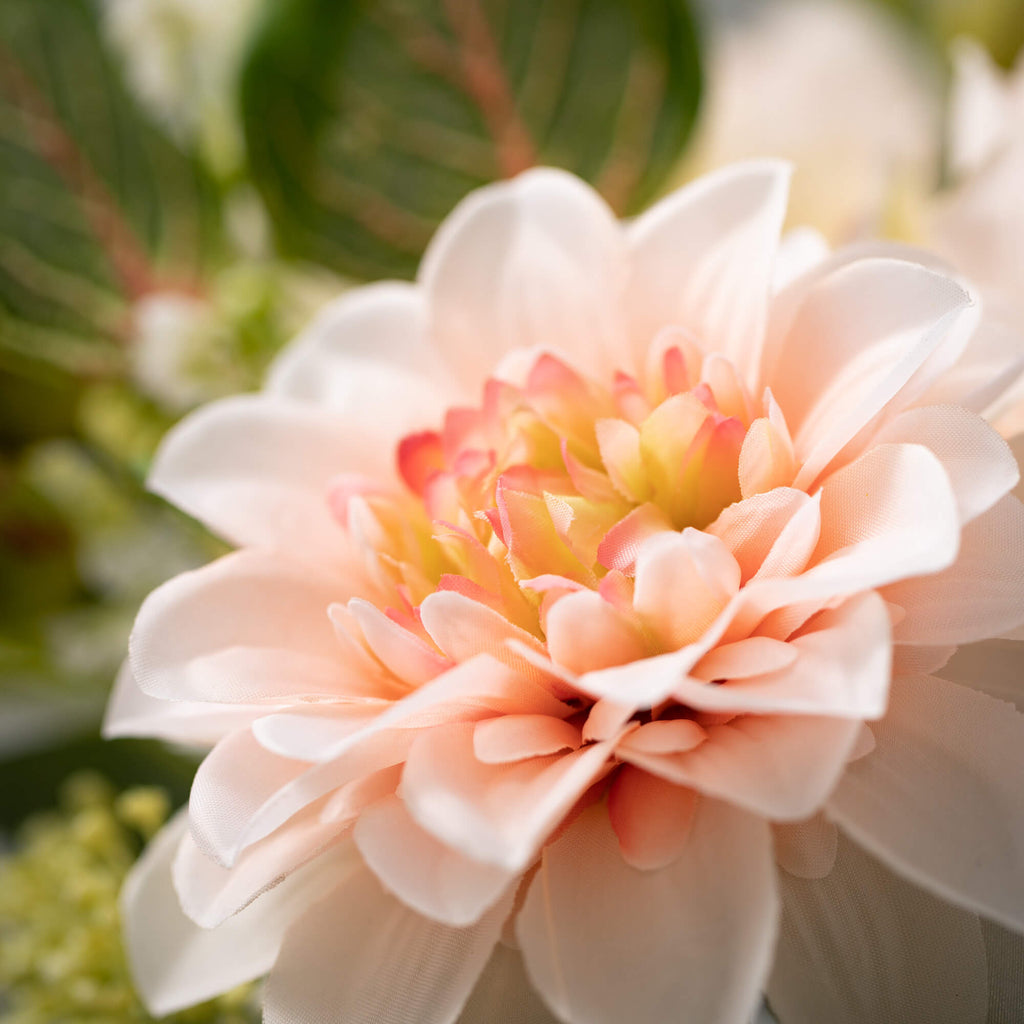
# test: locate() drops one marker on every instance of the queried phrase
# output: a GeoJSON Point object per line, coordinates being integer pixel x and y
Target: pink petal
{"type": "Point", "coordinates": [861, 944]}
{"type": "Point", "coordinates": [697, 935]}
{"type": "Point", "coordinates": [255, 470]}
{"type": "Point", "coordinates": [702, 259]}
{"type": "Point", "coordinates": [174, 962]}
{"type": "Point", "coordinates": [367, 357]}
{"type": "Point", "coordinates": [664, 736]}
{"type": "Point", "coordinates": [532, 262]}
{"type": "Point", "coordinates": [496, 814]}
{"type": "Point", "coordinates": [585, 633]}
{"type": "Point", "coordinates": [651, 817]}
{"type": "Point", "coordinates": [683, 580]}
{"type": "Point", "coordinates": [248, 628]}
{"type": "Point", "coordinates": [427, 876]}
{"type": "Point", "coordinates": [405, 654]}
{"type": "Point", "coordinates": [757, 655]}
{"type": "Point", "coordinates": [766, 459]}
{"type": "Point", "coordinates": [939, 799]}
{"type": "Point", "coordinates": [781, 767]}
{"type": "Point", "coordinates": [362, 957]}
{"type": "Point", "coordinates": [980, 595]}
{"type": "Point", "coordinates": [509, 738]}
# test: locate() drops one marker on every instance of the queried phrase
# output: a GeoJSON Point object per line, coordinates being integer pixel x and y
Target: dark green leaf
{"type": "Point", "coordinates": [98, 207]}
{"type": "Point", "coordinates": [367, 121]}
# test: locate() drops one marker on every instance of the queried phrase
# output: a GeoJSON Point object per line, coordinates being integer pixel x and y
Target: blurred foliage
{"type": "Point", "coordinates": [61, 957]}
{"type": "Point", "coordinates": [367, 121]}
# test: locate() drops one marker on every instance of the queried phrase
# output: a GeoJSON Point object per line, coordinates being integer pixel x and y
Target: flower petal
{"type": "Point", "coordinates": [980, 595]}
{"type": "Point", "coordinates": [247, 628]}
{"type": "Point", "coordinates": [586, 633]}
{"type": "Point", "coordinates": [504, 995]}
{"type": "Point", "coordinates": [366, 356]}
{"type": "Point", "coordinates": [862, 944]}
{"type": "Point", "coordinates": [255, 470]}
{"type": "Point", "coordinates": [706, 924]}
{"type": "Point", "coordinates": [431, 878]}
{"type": "Point", "coordinates": [940, 800]}
{"type": "Point", "coordinates": [703, 259]}
{"type": "Point", "coordinates": [510, 738]}
{"type": "Point", "coordinates": [496, 814]}
{"type": "Point", "coordinates": [535, 262]}
{"type": "Point", "coordinates": [995, 667]}
{"type": "Point", "coordinates": [174, 962]}
{"type": "Point", "coordinates": [363, 957]}
{"type": "Point", "coordinates": [651, 817]}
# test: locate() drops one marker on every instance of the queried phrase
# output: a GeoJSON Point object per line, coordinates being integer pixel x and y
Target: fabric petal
{"type": "Point", "coordinates": [705, 924]}
{"type": "Point", "coordinates": [497, 814]}
{"type": "Point", "coordinates": [174, 962]}
{"type": "Point", "coordinates": [367, 356]}
{"type": "Point", "coordinates": [939, 799]}
{"type": "Point", "coordinates": [362, 957]}
{"type": "Point", "coordinates": [862, 944]}
{"type": "Point", "coordinates": [535, 262]}
{"type": "Point", "coordinates": [504, 995]}
{"type": "Point", "coordinates": [255, 470]}
{"type": "Point", "coordinates": [995, 667]}
{"type": "Point", "coordinates": [703, 259]}
{"type": "Point", "coordinates": [248, 628]}
{"type": "Point", "coordinates": [651, 817]}
{"type": "Point", "coordinates": [980, 595]}
{"type": "Point", "coordinates": [431, 878]}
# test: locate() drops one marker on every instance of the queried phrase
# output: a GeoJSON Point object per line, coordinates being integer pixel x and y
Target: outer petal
{"type": "Point", "coordinates": [532, 262]}
{"type": "Point", "coordinates": [174, 962]}
{"type": "Point", "coordinates": [362, 957]}
{"type": "Point", "coordinates": [703, 259]}
{"type": "Point", "coordinates": [255, 470]}
{"type": "Point", "coordinates": [940, 800]}
{"type": "Point", "coordinates": [422, 872]}
{"type": "Point", "coordinates": [697, 935]}
{"type": "Point", "coordinates": [995, 667]}
{"type": "Point", "coordinates": [130, 712]}
{"type": "Point", "coordinates": [367, 356]}
{"type": "Point", "coordinates": [247, 628]}
{"type": "Point", "coordinates": [980, 595]}
{"type": "Point", "coordinates": [863, 945]}
{"type": "Point", "coordinates": [884, 320]}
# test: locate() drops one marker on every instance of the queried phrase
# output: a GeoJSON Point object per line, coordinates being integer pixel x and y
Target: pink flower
{"type": "Point", "coordinates": [569, 578]}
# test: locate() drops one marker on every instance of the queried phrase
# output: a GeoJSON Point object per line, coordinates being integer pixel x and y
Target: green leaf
{"type": "Point", "coordinates": [98, 207]}
{"type": "Point", "coordinates": [367, 121]}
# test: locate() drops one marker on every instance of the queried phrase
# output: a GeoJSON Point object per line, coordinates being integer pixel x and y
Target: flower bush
{"type": "Point", "coordinates": [578, 658]}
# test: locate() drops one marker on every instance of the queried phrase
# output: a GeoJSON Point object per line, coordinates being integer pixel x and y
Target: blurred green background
{"type": "Point", "coordinates": [182, 182]}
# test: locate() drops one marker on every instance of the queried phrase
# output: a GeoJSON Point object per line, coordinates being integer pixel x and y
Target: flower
{"type": "Point", "coordinates": [570, 578]}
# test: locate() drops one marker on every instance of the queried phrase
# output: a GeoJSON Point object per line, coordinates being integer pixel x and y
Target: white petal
{"type": "Point", "coordinates": [174, 962]}
{"type": "Point", "coordinates": [979, 462]}
{"type": "Point", "coordinates": [366, 356]}
{"type": "Point", "coordinates": [248, 628]}
{"type": "Point", "coordinates": [859, 345]}
{"type": "Point", "coordinates": [939, 799]}
{"type": "Point", "coordinates": [130, 712]}
{"type": "Point", "coordinates": [863, 945]}
{"type": "Point", "coordinates": [504, 995]}
{"type": "Point", "coordinates": [255, 470]}
{"type": "Point", "coordinates": [606, 943]}
{"type": "Point", "coordinates": [362, 957]}
{"type": "Point", "coordinates": [532, 262]}
{"type": "Point", "coordinates": [431, 878]}
{"type": "Point", "coordinates": [703, 260]}
{"type": "Point", "coordinates": [980, 595]}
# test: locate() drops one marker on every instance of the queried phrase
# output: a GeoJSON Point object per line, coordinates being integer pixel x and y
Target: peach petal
{"type": "Point", "coordinates": [518, 737]}
{"type": "Point", "coordinates": [619, 444]}
{"type": "Point", "coordinates": [427, 876]}
{"type": "Point", "coordinates": [755, 656]}
{"type": "Point", "coordinates": [496, 814]}
{"type": "Point", "coordinates": [622, 543]}
{"type": "Point", "coordinates": [806, 849]}
{"type": "Point", "coordinates": [721, 886]}
{"type": "Point", "coordinates": [406, 655]}
{"type": "Point", "coordinates": [586, 633]}
{"type": "Point", "coordinates": [766, 459]}
{"type": "Point", "coordinates": [664, 736]}
{"type": "Point", "coordinates": [651, 817]}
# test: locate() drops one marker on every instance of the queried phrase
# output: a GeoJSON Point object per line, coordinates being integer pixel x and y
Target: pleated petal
{"type": "Point", "coordinates": [939, 799]}
{"type": "Point", "coordinates": [697, 935]}
{"type": "Point", "coordinates": [363, 957]}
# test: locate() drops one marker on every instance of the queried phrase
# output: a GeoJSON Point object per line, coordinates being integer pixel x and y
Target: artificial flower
{"type": "Point", "coordinates": [578, 660]}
